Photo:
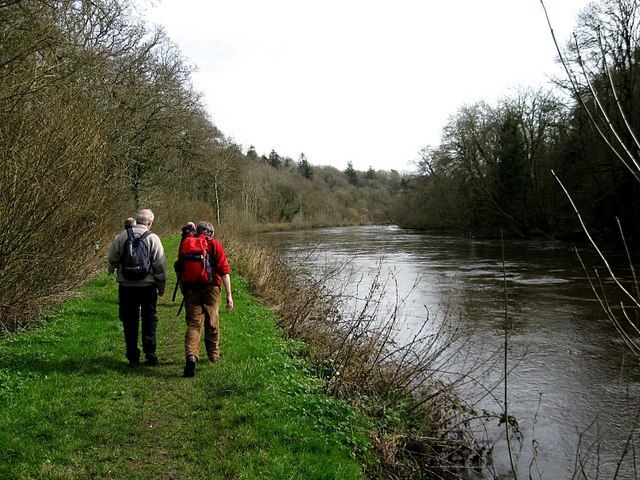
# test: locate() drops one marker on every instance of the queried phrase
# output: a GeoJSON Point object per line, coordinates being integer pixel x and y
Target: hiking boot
{"type": "Point", "coordinates": [214, 358]}
{"type": "Point", "coordinates": [135, 362]}
{"type": "Point", "coordinates": [151, 360]}
{"type": "Point", "coordinates": [190, 367]}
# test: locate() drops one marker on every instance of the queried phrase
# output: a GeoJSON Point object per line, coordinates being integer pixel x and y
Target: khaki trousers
{"type": "Point", "coordinates": [202, 307]}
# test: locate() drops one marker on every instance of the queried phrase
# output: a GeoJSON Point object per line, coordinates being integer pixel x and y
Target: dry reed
{"type": "Point", "coordinates": [422, 428]}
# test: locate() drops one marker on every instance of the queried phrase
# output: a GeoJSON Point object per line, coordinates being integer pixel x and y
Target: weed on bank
{"type": "Point", "coordinates": [71, 407]}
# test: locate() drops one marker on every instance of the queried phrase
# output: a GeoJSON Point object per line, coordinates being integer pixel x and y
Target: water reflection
{"type": "Point", "coordinates": [572, 368]}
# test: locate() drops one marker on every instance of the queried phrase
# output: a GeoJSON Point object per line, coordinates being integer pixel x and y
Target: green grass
{"type": "Point", "coordinates": [70, 406]}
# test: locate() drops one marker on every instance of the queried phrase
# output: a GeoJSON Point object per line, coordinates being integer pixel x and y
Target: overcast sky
{"type": "Point", "coordinates": [365, 81]}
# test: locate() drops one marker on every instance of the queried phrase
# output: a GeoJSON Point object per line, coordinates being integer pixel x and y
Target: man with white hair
{"type": "Point", "coordinates": [138, 256]}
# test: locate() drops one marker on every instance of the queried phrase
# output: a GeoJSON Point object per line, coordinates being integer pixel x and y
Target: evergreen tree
{"type": "Point", "coordinates": [371, 174]}
{"type": "Point", "coordinates": [512, 172]}
{"type": "Point", "coordinates": [351, 174]}
{"type": "Point", "coordinates": [274, 159]}
{"type": "Point", "coordinates": [251, 153]}
{"type": "Point", "coordinates": [304, 168]}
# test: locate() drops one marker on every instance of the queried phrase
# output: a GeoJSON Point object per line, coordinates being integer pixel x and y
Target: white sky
{"type": "Point", "coordinates": [365, 81]}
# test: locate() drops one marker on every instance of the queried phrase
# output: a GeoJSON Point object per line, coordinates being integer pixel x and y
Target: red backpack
{"type": "Point", "coordinates": [194, 264]}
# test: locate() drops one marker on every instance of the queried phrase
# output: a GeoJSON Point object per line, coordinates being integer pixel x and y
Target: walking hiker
{"type": "Point", "coordinates": [202, 269]}
{"type": "Point", "coordinates": [138, 256]}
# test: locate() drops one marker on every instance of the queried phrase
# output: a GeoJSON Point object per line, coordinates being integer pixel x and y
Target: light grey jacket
{"type": "Point", "coordinates": [158, 274]}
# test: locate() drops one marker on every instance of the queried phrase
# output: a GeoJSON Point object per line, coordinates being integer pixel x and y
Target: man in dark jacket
{"type": "Point", "coordinates": [137, 298]}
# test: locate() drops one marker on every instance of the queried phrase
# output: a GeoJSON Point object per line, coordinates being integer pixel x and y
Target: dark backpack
{"type": "Point", "coordinates": [135, 261]}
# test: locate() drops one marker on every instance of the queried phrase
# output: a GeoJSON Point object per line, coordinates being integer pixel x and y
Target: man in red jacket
{"type": "Point", "coordinates": [202, 302]}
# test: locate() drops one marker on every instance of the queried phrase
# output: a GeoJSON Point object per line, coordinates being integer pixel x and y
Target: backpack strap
{"type": "Point", "coordinates": [212, 253]}
{"type": "Point", "coordinates": [133, 238]}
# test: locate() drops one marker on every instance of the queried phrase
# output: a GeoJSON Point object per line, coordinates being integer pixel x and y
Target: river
{"type": "Point", "coordinates": [571, 372]}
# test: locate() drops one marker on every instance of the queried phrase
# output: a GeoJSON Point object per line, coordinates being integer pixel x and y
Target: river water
{"type": "Point", "coordinates": [572, 379]}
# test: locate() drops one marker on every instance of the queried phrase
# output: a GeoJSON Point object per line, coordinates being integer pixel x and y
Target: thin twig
{"type": "Point", "coordinates": [506, 357]}
{"type": "Point", "coordinates": [592, 241]}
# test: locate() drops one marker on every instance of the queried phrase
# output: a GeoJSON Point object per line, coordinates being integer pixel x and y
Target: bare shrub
{"type": "Point", "coordinates": [54, 201]}
{"type": "Point", "coordinates": [55, 184]}
{"type": "Point", "coordinates": [172, 215]}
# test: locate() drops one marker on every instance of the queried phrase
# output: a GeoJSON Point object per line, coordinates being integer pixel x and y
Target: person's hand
{"type": "Point", "coordinates": [160, 291]}
{"type": "Point", "coordinates": [229, 302]}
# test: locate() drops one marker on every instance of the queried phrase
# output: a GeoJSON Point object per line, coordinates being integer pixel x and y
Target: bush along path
{"type": "Point", "coordinates": [71, 407]}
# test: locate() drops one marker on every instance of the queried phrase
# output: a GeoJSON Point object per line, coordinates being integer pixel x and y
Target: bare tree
{"type": "Point", "coordinates": [602, 68]}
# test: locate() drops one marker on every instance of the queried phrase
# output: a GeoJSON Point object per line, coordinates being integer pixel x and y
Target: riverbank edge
{"type": "Point", "coordinates": [420, 425]}
{"type": "Point", "coordinates": [256, 227]}
{"type": "Point", "coordinates": [72, 408]}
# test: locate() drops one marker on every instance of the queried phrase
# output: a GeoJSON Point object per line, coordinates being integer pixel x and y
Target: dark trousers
{"type": "Point", "coordinates": [135, 303]}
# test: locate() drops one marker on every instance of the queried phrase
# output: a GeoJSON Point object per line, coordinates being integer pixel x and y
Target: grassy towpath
{"type": "Point", "coordinates": [71, 408]}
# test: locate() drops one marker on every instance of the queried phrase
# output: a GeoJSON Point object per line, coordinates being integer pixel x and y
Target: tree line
{"type": "Point", "coordinates": [493, 167]}
{"type": "Point", "coordinates": [279, 189]}
{"type": "Point", "coordinates": [98, 117]}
